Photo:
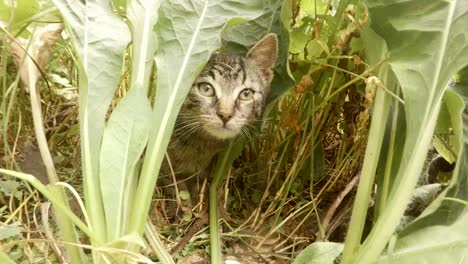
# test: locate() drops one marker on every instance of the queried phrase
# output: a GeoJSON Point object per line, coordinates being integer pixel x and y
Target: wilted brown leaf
{"type": "Point", "coordinates": [305, 84]}
{"type": "Point", "coordinates": [37, 50]}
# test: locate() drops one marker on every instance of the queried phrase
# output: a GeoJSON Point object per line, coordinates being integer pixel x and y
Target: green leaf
{"type": "Point", "coordinates": [223, 164]}
{"type": "Point", "coordinates": [446, 142]}
{"type": "Point", "coordinates": [190, 33]}
{"type": "Point", "coordinates": [131, 238]}
{"type": "Point", "coordinates": [99, 39]}
{"type": "Point", "coordinates": [16, 13]}
{"type": "Point", "coordinates": [275, 18]}
{"type": "Point", "coordinates": [427, 46]}
{"type": "Point", "coordinates": [9, 187]}
{"type": "Point", "coordinates": [5, 259]}
{"type": "Point", "coordinates": [444, 211]}
{"type": "Point", "coordinates": [313, 7]}
{"type": "Point", "coordinates": [184, 195]}
{"type": "Point", "coordinates": [299, 37]}
{"type": "Point", "coordinates": [50, 193]}
{"type": "Point", "coordinates": [124, 140]}
{"type": "Point", "coordinates": [319, 253]}
{"type": "Point", "coordinates": [187, 216]}
{"type": "Point", "coordinates": [143, 16]}
{"type": "Point", "coordinates": [127, 131]}
{"type": "Point", "coordinates": [433, 244]}
{"type": "Point", "coordinates": [9, 231]}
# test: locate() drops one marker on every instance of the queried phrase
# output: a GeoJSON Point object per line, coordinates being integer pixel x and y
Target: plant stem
{"type": "Point", "coordinates": [371, 158]}
{"type": "Point", "coordinates": [66, 227]}
{"type": "Point", "coordinates": [51, 195]}
{"type": "Point", "coordinates": [385, 190]}
{"type": "Point", "coordinates": [157, 245]}
{"type": "Point", "coordinates": [401, 192]}
{"type": "Point", "coordinates": [223, 165]}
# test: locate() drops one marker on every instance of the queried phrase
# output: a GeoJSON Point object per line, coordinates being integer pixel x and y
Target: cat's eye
{"type": "Point", "coordinates": [206, 89]}
{"type": "Point", "coordinates": [246, 94]}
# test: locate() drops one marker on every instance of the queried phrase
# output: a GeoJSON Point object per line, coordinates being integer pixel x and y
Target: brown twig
{"type": "Point", "coordinates": [331, 210]}
{"type": "Point", "coordinates": [197, 226]}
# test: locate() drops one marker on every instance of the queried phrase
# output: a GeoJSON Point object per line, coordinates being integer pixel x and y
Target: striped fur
{"type": "Point", "coordinates": [227, 97]}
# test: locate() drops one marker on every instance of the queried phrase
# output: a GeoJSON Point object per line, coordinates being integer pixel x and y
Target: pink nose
{"type": "Point", "coordinates": [225, 117]}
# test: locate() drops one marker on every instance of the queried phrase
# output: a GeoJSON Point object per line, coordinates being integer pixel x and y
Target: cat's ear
{"type": "Point", "coordinates": [265, 51]}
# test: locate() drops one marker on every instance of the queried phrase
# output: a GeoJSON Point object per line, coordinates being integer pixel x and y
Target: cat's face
{"type": "Point", "coordinates": [230, 92]}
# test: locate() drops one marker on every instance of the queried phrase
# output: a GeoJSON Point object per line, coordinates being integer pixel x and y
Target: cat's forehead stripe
{"type": "Point", "coordinates": [226, 71]}
{"type": "Point", "coordinates": [212, 74]}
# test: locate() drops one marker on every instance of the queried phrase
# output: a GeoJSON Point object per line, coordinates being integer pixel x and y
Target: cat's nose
{"type": "Point", "coordinates": [225, 117]}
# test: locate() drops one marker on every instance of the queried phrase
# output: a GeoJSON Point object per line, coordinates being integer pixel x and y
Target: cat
{"type": "Point", "coordinates": [228, 96]}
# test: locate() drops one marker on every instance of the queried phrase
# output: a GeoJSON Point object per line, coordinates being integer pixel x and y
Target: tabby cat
{"type": "Point", "coordinates": [227, 97]}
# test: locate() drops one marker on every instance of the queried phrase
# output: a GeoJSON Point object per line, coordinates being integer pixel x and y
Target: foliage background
{"type": "Point", "coordinates": [293, 183]}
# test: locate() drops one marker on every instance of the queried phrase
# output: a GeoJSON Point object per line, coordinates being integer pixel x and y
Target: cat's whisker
{"type": "Point", "coordinates": [184, 126]}
{"type": "Point", "coordinates": [188, 117]}
{"type": "Point", "coordinates": [189, 132]}
{"type": "Point", "coordinates": [253, 130]}
{"type": "Point", "coordinates": [198, 119]}
{"type": "Point", "coordinates": [247, 135]}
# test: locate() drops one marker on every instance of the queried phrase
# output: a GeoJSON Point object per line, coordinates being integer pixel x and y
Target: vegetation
{"type": "Point", "coordinates": [365, 95]}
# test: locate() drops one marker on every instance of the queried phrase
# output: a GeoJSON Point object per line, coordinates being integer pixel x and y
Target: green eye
{"type": "Point", "coordinates": [246, 94]}
{"type": "Point", "coordinates": [206, 89]}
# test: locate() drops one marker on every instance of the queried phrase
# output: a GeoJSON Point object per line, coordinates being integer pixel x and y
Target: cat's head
{"type": "Point", "coordinates": [230, 92]}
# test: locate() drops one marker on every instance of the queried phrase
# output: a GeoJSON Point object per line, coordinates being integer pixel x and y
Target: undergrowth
{"type": "Point", "coordinates": [282, 193]}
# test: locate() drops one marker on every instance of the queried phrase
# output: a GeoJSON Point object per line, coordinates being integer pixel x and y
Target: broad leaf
{"type": "Point", "coordinates": [432, 244]}
{"type": "Point", "coordinates": [100, 38]}
{"type": "Point", "coordinates": [444, 142]}
{"type": "Point", "coordinates": [440, 234]}
{"type": "Point", "coordinates": [5, 259]}
{"type": "Point", "coordinates": [427, 46]}
{"type": "Point", "coordinates": [190, 33]}
{"type": "Point", "coordinates": [15, 13]}
{"type": "Point", "coordinates": [319, 253]}
{"type": "Point", "coordinates": [275, 18]}
{"type": "Point", "coordinates": [124, 140]}
{"type": "Point", "coordinates": [143, 15]}
{"type": "Point", "coordinates": [9, 231]}
{"type": "Point", "coordinates": [127, 131]}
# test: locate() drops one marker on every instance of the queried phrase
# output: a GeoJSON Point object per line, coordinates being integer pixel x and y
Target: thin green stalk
{"type": "Point", "coordinates": [400, 195]}
{"type": "Point", "coordinates": [36, 18]}
{"type": "Point", "coordinates": [371, 158]}
{"type": "Point", "coordinates": [11, 92]}
{"type": "Point", "coordinates": [312, 145]}
{"type": "Point", "coordinates": [460, 201]}
{"type": "Point", "coordinates": [344, 86]}
{"type": "Point", "coordinates": [270, 182]}
{"type": "Point", "coordinates": [51, 195]}
{"type": "Point", "coordinates": [289, 180]}
{"type": "Point", "coordinates": [156, 244]}
{"type": "Point", "coordinates": [222, 167]}
{"type": "Point", "coordinates": [67, 229]}
{"type": "Point", "coordinates": [335, 27]}
{"type": "Point", "coordinates": [3, 106]}
{"type": "Point", "coordinates": [383, 196]}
